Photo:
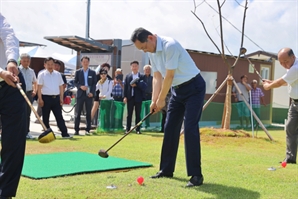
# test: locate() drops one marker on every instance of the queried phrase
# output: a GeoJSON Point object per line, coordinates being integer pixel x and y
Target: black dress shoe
{"type": "Point", "coordinates": [160, 174]}
{"type": "Point", "coordinates": [288, 161]}
{"type": "Point", "coordinates": [76, 133]}
{"type": "Point", "coordinates": [195, 181]}
{"type": "Point", "coordinates": [3, 197]}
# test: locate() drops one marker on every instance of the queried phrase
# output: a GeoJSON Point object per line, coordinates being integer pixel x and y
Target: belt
{"type": "Point", "coordinates": [117, 96]}
{"type": "Point", "coordinates": [52, 96]}
{"type": "Point", "coordinates": [186, 83]}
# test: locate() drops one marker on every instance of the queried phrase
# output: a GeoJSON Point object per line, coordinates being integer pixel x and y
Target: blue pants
{"type": "Point", "coordinates": [186, 103]}
{"type": "Point", "coordinates": [13, 138]}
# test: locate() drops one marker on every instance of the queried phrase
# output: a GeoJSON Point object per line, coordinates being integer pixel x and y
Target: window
{"type": "Point", "coordinates": [250, 68]}
{"type": "Point", "coordinates": [265, 71]}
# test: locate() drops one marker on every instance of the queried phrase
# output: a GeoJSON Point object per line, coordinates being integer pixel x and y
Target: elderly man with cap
{"type": "Point", "coordinates": [12, 111]}
{"type": "Point", "coordinates": [288, 60]}
{"type": "Point", "coordinates": [257, 97]}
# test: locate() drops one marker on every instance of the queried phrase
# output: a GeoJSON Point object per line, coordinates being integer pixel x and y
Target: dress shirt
{"type": "Point", "coordinates": [29, 76]}
{"type": "Point", "coordinates": [170, 55]}
{"type": "Point", "coordinates": [50, 82]}
{"type": "Point", "coordinates": [86, 76]}
{"type": "Point", "coordinates": [291, 77]}
{"type": "Point", "coordinates": [9, 44]}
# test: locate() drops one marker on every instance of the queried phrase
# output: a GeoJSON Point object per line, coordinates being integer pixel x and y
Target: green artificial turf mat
{"type": "Point", "coordinates": [50, 165]}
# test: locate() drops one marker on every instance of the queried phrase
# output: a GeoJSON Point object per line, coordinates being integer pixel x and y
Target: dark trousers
{"type": "Point", "coordinates": [29, 95]}
{"type": "Point", "coordinates": [131, 103]}
{"type": "Point", "coordinates": [186, 103]}
{"type": "Point", "coordinates": [53, 104]}
{"type": "Point", "coordinates": [79, 107]}
{"type": "Point", "coordinates": [13, 138]}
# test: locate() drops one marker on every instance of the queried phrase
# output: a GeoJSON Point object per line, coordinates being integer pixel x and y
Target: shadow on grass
{"type": "Point", "coordinates": [223, 191]}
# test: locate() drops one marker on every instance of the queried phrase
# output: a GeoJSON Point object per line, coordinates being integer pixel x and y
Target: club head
{"type": "Point", "coordinates": [242, 51]}
{"type": "Point", "coordinates": [103, 153]}
{"type": "Point", "coordinates": [47, 136]}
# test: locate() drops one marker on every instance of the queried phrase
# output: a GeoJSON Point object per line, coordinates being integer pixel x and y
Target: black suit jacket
{"type": "Point", "coordinates": [139, 90]}
{"type": "Point", "coordinates": [80, 81]}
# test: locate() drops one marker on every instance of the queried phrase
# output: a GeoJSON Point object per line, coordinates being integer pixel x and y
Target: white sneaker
{"type": "Point", "coordinates": [67, 137]}
{"type": "Point", "coordinates": [88, 133]}
{"type": "Point", "coordinates": [29, 136]}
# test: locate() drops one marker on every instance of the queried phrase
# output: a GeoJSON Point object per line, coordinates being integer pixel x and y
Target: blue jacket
{"type": "Point", "coordinates": [139, 90]}
{"type": "Point", "coordinates": [80, 81]}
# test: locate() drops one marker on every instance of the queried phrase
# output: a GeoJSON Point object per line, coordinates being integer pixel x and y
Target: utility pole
{"type": "Point", "coordinates": [88, 19]}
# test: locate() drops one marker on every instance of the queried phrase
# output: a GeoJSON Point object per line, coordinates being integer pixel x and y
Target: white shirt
{"type": "Point", "coordinates": [291, 77]}
{"type": "Point", "coordinates": [29, 76]}
{"type": "Point", "coordinates": [50, 82]}
{"type": "Point", "coordinates": [9, 44]}
{"type": "Point", "coordinates": [134, 76]}
{"type": "Point", "coordinates": [170, 55]}
{"type": "Point", "coordinates": [105, 89]}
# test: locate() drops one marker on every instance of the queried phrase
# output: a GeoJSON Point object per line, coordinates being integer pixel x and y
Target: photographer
{"type": "Point", "coordinates": [118, 86]}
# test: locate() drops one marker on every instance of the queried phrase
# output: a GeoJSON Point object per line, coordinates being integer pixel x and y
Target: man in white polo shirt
{"type": "Point", "coordinates": [50, 95]}
{"type": "Point", "coordinates": [173, 68]}
{"type": "Point", "coordinates": [288, 60]}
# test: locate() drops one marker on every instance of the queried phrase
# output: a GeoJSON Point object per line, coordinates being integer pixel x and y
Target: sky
{"type": "Point", "coordinates": [270, 24]}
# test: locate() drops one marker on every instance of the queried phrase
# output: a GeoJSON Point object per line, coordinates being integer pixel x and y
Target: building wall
{"type": "Point", "coordinates": [214, 63]}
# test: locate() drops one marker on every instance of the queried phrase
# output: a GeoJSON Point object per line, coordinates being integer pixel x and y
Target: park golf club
{"type": "Point", "coordinates": [104, 153]}
{"type": "Point", "coordinates": [48, 135]}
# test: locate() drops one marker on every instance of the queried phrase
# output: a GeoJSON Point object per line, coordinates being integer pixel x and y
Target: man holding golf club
{"type": "Point", "coordinates": [288, 60]}
{"type": "Point", "coordinates": [12, 111]}
{"type": "Point", "coordinates": [169, 60]}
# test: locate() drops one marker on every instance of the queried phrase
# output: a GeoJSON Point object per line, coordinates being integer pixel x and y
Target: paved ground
{"type": "Point", "coordinates": [36, 128]}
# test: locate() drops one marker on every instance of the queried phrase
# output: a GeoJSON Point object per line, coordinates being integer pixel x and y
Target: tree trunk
{"type": "Point", "coordinates": [226, 117]}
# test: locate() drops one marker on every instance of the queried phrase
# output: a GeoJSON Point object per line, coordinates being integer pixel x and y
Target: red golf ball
{"type": "Point", "coordinates": [140, 180]}
{"type": "Point", "coordinates": [284, 164]}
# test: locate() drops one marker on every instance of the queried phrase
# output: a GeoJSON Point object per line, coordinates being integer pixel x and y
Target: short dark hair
{"type": "Point", "coordinates": [134, 62]}
{"type": "Point", "coordinates": [140, 34]}
{"type": "Point", "coordinates": [57, 62]}
{"type": "Point", "coordinates": [243, 76]}
{"type": "Point", "coordinates": [105, 65]}
{"type": "Point", "coordinates": [12, 61]}
{"type": "Point", "coordinates": [85, 57]}
{"type": "Point", "coordinates": [290, 53]}
{"type": "Point", "coordinates": [49, 59]}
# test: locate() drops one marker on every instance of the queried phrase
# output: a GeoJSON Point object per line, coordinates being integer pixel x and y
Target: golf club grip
{"type": "Point", "coordinates": [29, 103]}
{"type": "Point", "coordinates": [130, 131]}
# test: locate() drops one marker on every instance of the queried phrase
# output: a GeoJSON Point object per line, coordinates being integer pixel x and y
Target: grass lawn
{"type": "Point", "coordinates": [233, 167]}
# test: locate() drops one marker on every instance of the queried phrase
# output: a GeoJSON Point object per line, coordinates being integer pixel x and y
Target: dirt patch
{"type": "Point", "coordinates": [224, 132]}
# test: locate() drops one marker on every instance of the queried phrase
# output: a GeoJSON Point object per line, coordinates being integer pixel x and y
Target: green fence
{"type": "Point", "coordinates": [112, 116]}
